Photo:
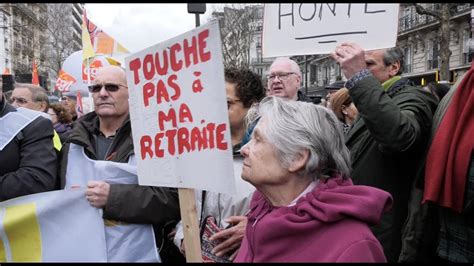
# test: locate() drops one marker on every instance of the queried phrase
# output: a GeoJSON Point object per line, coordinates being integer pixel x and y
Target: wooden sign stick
{"type": "Point", "coordinates": [192, 241]}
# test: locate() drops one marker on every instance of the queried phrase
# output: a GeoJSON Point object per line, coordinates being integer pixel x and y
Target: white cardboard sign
{"type": "Point", "coordinates": [308, 28]}
{"type": "Point", "coordinates": [178, 112]}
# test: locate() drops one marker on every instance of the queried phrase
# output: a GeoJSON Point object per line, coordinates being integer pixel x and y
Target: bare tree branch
{"type": "Point", "coordinates": [238, 24]}
{"type": "Point", "coordinates": [423, 11]}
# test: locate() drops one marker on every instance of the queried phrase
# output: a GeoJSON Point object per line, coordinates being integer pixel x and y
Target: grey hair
{"type": "Point", "coordinates": [38, 93]}
{"type": "Point", "coordinates": [294, 66]}
{"type": "Point", "coordinates": [392, 55]}
{"type": "Point", "coordinates": [294, 126]}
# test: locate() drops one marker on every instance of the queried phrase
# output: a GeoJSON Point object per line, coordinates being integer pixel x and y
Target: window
{"type": "Point", "coordinates": [467, 47]}
{"type": "Point", "coordinates": [326, 74]}
{"type": "Point", "coordinates": [312, 73]}
{"type": "Point", "coordinates": [433, 53]}
{"type": "Point", "coordinates": [337, 70]}
{"type": "Point", "coordinates": [408, 59]}
{"type": "Point", "coordinates": [260, 13]}
{"type": "Point", "coordinates": [407, 18]}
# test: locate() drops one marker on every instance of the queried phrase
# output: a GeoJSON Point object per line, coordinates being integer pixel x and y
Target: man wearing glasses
{"type": "Point", "coordinates": [100, 147]}
{"type": "Point", "coordinates": [27, 158]}
{"type": "Point", "coordinates": [284, 79]}
{"type": "Point", "coordinates": [34, 97]}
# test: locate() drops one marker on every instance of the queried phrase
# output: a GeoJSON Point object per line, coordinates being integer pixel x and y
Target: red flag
{"type": "Point", "coordinates": [79, 107]}
{"type": "Point", "coordinates": [35, 78]}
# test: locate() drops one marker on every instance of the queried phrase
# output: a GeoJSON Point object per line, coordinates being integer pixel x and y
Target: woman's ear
{"type": "Point", "coordinates": [299, 162]}
{"type": "Point", "coordinates": [343, 108]}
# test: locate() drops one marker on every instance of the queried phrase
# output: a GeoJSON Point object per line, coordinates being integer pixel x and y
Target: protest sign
{"type": "Point", "coordinates": [179, 114]}
{"type": "Point", "coordinates": [309, 28]}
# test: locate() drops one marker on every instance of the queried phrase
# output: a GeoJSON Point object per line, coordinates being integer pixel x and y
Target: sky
{"type": "Point", "coordinates": [138, 26]}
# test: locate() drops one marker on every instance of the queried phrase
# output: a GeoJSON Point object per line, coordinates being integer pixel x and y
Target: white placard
{"type": "Point", "coordinates": [305, 28]}
{"type": "Point", "coordinates": [178, 112]}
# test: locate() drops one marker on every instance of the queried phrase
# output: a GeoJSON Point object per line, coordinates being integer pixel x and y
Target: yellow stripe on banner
{"type": "Point", "coordinates": [23, 232]}
{"type": "Point", "coordinates": [3, 255]}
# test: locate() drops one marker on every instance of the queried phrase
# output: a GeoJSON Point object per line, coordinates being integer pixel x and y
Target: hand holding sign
{"type": "Point", "coordinates": [351, 58]}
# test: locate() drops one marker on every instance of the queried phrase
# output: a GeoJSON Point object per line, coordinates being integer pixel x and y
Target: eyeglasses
{"type": "Point", "coordinates": [108, 87]}
{"type": "Point", "coordinates": [281, 76]}
{"type": "Point", "coordinates": [231, 102]}
{"type": "Point", "coordinates": [19, 100]}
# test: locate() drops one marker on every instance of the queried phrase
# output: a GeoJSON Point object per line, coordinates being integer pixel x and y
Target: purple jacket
{"type": "Point", "coordinates": [329, 224]}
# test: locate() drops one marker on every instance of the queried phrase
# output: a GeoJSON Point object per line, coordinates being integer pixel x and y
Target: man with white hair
{"type": "Point", "coordinates": [284, 79]}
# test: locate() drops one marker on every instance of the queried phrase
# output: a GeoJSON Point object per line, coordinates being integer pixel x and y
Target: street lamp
{"type": "Point", "coordinates": [197, 9]}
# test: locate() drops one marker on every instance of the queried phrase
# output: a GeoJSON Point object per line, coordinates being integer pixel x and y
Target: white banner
{"type": "Point", "coordinates": [317, 28]}
{"type": "Point", "coordinates": [178, 112]}
{"type": "Point", "coordinates": [126, 242]}
{"type": "Point", "coordinates": [57, 226]}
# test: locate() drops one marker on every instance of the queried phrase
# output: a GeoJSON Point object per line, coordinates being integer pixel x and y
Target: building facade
{"type": "Point", "coordinates": [25, 32]}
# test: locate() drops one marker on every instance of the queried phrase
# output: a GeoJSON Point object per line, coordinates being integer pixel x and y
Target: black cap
{"type": "Point", "coordinates": [336, 85]}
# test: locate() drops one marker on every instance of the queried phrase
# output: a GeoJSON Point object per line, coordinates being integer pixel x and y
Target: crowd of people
{"type": "Point", "coordinates": [381, 170]}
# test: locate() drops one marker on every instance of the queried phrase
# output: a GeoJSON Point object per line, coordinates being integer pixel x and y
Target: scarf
{"type": "Point", "coordinates": [448, 157]}
{"type": "Point", "coordinates": [388, 83]}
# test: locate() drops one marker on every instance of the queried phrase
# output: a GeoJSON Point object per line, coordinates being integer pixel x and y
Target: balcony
{"type": "Point", "coordinates": [414, 20]}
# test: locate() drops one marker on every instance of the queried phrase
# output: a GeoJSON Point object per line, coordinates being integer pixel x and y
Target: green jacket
{"type": "Point", "coordinates": [387, 143]}
{"type": "Point", "coordinates": [128, 203]}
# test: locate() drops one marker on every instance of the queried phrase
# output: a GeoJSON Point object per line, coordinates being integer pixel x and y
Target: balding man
{"type": "Point", "coordinates": [101, 155]}
{"type": "Point", "coordinates": [284, 79]}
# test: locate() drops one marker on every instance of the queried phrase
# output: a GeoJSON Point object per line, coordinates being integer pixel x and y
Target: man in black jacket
{"type": "Point", "coordinates": [106, 134]}
{"type": "Point", "coordinates": [389, 139]}
{"type": "Point", "coordinates": [27, 158]}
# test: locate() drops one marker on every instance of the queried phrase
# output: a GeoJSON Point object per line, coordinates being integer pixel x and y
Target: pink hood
{"type": "Point", "coordinates": [324, 225]}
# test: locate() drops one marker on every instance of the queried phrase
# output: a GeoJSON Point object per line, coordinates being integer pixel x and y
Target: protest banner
{"type": "Point", "coordinates": [57, 226]}
{"type": "Point", "coordinates": [136, 239]}
{"type": "Point", "coordinates": [179, 119]}
{"type": "Point", "coordinates": [317, 28]}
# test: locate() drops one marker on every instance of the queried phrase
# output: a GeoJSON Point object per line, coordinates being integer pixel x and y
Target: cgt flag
{"type": "Point", "coordinates": [34, 76]}
{"type": "Point", "coordinates": [56, 226]}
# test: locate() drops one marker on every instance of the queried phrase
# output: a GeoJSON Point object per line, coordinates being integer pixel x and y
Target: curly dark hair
{"type": "Point", "coordinates": [248, 85]}
{"type": "Point", "coordinates": [64, 116]}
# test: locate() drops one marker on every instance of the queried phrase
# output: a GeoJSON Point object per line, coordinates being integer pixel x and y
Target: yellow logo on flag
{"type": "Point", "coordinates": [21, 234]}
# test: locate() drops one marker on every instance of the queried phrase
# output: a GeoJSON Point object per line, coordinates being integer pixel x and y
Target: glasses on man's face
{"type": "Point", "coordinates": [231, 102]}
{"type": "Point", "coordinates": [20, 100]}
{"type": "Point", "coordinates": [108, 87]}
{"type": "Point", "coordinates": [281, 76]}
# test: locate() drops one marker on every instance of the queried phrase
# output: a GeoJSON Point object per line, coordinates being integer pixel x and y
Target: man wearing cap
{"type": "Point", "coordinates": [388, 140]}
{"type": "Point", "coordinates": [331, 89]}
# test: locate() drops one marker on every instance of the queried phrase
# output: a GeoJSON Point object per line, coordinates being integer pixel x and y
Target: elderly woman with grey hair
{"type": "Point", "coordinates": [306, 208]}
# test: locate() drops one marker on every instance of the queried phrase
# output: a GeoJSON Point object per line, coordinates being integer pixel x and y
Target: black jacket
{"type": "Point", "coordinates": [28, 163]}
{"type": "Point", "coordinates": [387, 144]}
